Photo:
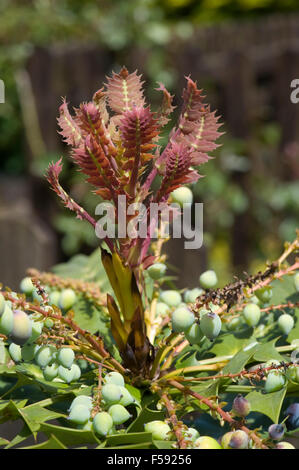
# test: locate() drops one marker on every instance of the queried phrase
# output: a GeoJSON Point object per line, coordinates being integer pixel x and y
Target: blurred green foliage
{"type": "Point", "coordinates": [270, 203]}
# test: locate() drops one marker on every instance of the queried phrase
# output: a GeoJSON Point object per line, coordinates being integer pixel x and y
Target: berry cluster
{"type": "Point", "coordinates": [56, 364]}
{"type": "Point", "coordinates": [115, 397]}
{"type": "Point", "coordinates": [183, 320]}
{"type": "Point", "coordinates": [252, 312]}
{"type": "Point", "coordinates": [24, 332]}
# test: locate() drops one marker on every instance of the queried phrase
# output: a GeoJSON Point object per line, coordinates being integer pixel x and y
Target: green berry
{"type": "Point", "coordinates": [79, 414]}
{"type": "Point", "coordinates": [160, 430]}
{"type": "Point", "coordinates": [296, 281]}
{"type": "Point", "coordinates": [182, 195]}
{"type": "Point", "coordinates": [182, 318]}
{"type": "Point", "coordinates": [26, 286]}
{"type": "Point", "coordinates": [252, 314]}
{"type": "Point", "coordinates": [202, 312]}
{"type": "Point", "coordinates": [44, 355]}
{"type": "Point", "coordinates": [66, 357]}
{"type": "Point", "coordinates": [37, 327]}
{"type": "Point", "coordinates": [126, 398]}
{"type": "Point", "coordinates": [83, 364]}
{"type": "Point", "coordinates": [190, 296]}
{"type": "Point", "coordinates": [29, 351]}
{"type": "Point", "coordinates": [75, 369]}
{"type": "Point", "coordinates": [264, 294]}
{"type": "Point", "coordinates": [234, 323]}
{"type": "Point", "coordinates": [208, 279]}
{"type": "Point", "coordinates": [50, 372]}
{"type": "Point", "coordinates": [49, 323]}
{"type": "Point", "coordinates": [88, 426]}
{"type": "Point", "coordinates": [183, 304]}
{"type": "Point", "coordinates": [285, 323]}
{"type": "Point", "coordinates": [191, 434]}
{"type": "Point", "coordinates": [54, 298]}
{"type": "Point", "coordinates": [119, 414]}
{"type": "Point", "coordinates": [254, 300]}
{"type": "Point", "coordinates": [82, 400]}
{"type": "Point", "coordinates": [171, 298]}
{"type": "Point", "coordinates": [22, 327]}
{"type": "Point", "coordinates": [162, 309]}
{"type": "Point", "coordinates": [115, 378]}
{"type": "Point", "coordinates": [36, 296]}
{"type": "Point", "coordinates": [6, 321]}
{"type": "Point", "coordinates": [67, 299]}
{"type": "Point", "coordinates": [194, 334]}
{"type": "Point", "coordinates": [275, 381]}
{"type": "Point", "coordinates": [206, 442]}
{"type": "Point", "coordinates": [111, 393]}
{"type": "Point", "coordinates": [15, 352]}
{"type": "Point", "coordinates": [284, 445]}
{"type": "Point", "coordinates": [2, 304]}
{"type": "Point", "coordinates": [186, 296]}
{"type": "Point", "coordinates": [210, 325]}
{"type": "Point", "coordinates": [65, 374]}
{"type": "Point", "coordinates": [54, 355]}
{"type": "Point", "coordinates": [102, 423]}
{"type": "Point", "coordinates": [157, 270]}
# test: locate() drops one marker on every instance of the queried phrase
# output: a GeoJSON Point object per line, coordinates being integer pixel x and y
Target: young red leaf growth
{"type": "Point", "coordinates": [70, 131]}
{"type": "Point", "coordinates": [52, 176]}
{"type": "Point", "coordinates": [93, 162]}
{"type": "Point", "coordinates": [138, 129]}
{"type": "Point", "coordinates": [120, 155]}
{"type": "Point", "coordinates": [166, 106]}
{"type": "Point", "coordinates": [198, 126]}
{"type": "Point", "coordinates": [124, 91]}
{"type": "Point", "coordinates": [177, 170]}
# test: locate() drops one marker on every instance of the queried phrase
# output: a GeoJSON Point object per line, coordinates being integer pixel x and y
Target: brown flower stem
{"type": "Point", "coordinates": [92, 361]}
{"type": "Point", "coordinates": [90, 290]}
{"type": "Point", "coordinates": [278, 275]}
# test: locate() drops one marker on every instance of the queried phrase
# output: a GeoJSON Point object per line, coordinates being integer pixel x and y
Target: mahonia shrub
{"type": "Point", "coordinates": [104, 351]}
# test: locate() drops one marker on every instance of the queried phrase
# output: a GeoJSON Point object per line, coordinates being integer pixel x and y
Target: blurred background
{"type": "Point", "coordinates": [244, 53]}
